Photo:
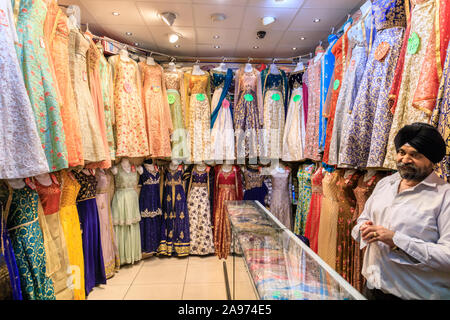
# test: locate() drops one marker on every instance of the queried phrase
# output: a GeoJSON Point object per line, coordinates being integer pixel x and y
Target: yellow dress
{"type": "Point", "coordinates": [422, 21]}
{"type": "Point", "coordinates": [72, 232]}
{"type": "Point", "coordinates": [199, 117]}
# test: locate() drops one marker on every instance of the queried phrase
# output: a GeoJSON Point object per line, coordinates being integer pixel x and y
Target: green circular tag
{"type": "Point", "coordinates": [297, 97]}
{"type": "Point", "coordinates": [200, 96]}
{"type": "Point", "coordinates": [275, 97]}
{"type": "Point", "coordinates": [336, 84]}
{"type": "Point", "coordinates": [248, 97]}
{"type": "Point", "coordinates": [171, 98]}
{"type": "Point", "coordinates": [413, 43]}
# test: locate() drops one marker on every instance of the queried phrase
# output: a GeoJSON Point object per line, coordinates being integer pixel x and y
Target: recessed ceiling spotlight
{"type": "Point", "coordinates": [116, 13]}
{"type": "Point", "coordinates": [128, 33]}
{"type": "Point", "coordinates": [216, 36]}
{"type": "Point", "coordinates": [268, 20]}
{"type": "Point", "coordinates": [255, 47]}
{"type": "Point", "coordinates": [168, 18]}
{"type": "Point", "coordinates": [302, 38]}
{"type": "Point", "coordinates": [216, 47]}
{"type": "Point", "coordinates": [177, 46]}
{"type": "Point", "coordinates": [218, 17]}
{"type": "Point", "coordinates": [316, 20]}
{"type": "Point", "coordinates": [136, 44]}
{"type": "Point", "coordinates": [173, 38]}
{"type": "Point", "coordinates": [294, 48]}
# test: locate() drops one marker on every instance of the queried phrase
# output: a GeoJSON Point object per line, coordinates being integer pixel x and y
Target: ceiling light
{"type": "Point", "coordinates": [136, 44]}
{"type": "Point", "coordinates": [294, 48]}
{"type": "Point", "coordinates": [216, 47]}
{"type": "Point", "coordinates": [173, 38]}
{"type": "Point", "coordinates": [216, 36]}
{"type": "Point", "coordinates": [268, 20]}
{"type": "Point", "coordinates": [128, 33]}
{"type": "Point", "coordinates": [302, 38]}
{"type": "Point", "coordinates": [316, 20]}
{"type": "Point", "coordinates": [218, 17]}
{"type": "Point", "coordinates": [177, 46]}
{"type": "Point", "coordinates": [255, 47]}
{"type": "Point", "coordinates": [115, 13]}
{"type": "Point", "coordinates": [168, 18]}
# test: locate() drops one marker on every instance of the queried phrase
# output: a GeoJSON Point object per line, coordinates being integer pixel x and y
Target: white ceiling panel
{"type": "Point", "coordinates": [161, 35]}
{"type": "Point", "coordinates": [183, 50]}
{"type": "Point", "coordinates": [202, 16]}
{"type": "Point", "coordinates": [328, 19]}
{"type": "Point", "coordinates": [221, 2]}
{"type": "Point", "coordinates": [140, 34]}
{"type": "Point", "coordinates": [102, 12]}
{"type": "Point", "coordinates": [332, 4]}
{"type": "Point", "coordinates": [277, 4]}
{"type": "Point", "coordinates": [287, 52]}
{"type": "Point", "coordinates": [283, 17]}
{"type": "Point", "coordinates": [150, 12]}
{"type": "Point", "coordinates": [226, 36]}
{"type": "Point", "coordinates": [292, 38]}
{"type": "Point", "coordinates": [208, 50]}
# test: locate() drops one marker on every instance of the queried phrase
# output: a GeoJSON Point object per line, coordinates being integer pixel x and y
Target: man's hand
{"type": "Point", "coordinates": [371, 233]}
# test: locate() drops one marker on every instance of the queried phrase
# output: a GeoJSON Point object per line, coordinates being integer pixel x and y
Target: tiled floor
{"type": "Point", "coordinates": [188, 278]}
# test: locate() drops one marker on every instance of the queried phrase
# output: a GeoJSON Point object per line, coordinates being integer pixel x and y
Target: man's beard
{"type": "Point", "coordinates": [411, 172]}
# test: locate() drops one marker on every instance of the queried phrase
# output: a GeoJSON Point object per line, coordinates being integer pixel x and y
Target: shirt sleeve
{"type": "Point", "coordinates": [428, 254]}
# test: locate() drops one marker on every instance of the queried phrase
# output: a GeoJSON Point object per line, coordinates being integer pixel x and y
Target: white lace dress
{"type": "Point", "coordinates": [21, 153]}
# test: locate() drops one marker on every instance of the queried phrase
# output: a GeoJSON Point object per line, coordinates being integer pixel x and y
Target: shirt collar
{"type": "Point", "coordinates": [430, 181]}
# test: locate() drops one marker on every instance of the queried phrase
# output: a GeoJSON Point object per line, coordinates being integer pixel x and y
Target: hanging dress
{"type": "Point", "coordinates": [39, 81]}
{"type": "Point", "coordinates": [108, 238]}
{"type": "Point", "coordinates": [93, 148]}
{"type": "Point", "coordinates": [227, 187]}
{"type": "Point", "coordinates": [304, 198]}
{"type": "Point", "coordinates": [274, 88]}
{"type": "Point", "coordinates": [126, 215]}
{"type": "Point", "coordinates": [315, 206]}
{"type": "Point", "coordinates": [70, 223]}
{"type": "Point", "coordinates": [199, 117]}
{"type": "Point", "coordinates": [248, 113]}
{"type": "Point", "coordinates": [157, 110]}
{"type": "Point", "coordinates": [175, 236]}
{"type": "Point", "coordinates": [254, 187]}
{"type": "Point", "coordinates": [28, 244]}
{"type": "Point", "coordinates": [199, 208]}
{"type": "Point", "coordinates": [177, 103]}
{"type": "Point", "coordinates": [281, 201]}
{"type": "Point", "coordinates": [50, 199]}
{"type": "Point", "coordinates": [422, 22]}
{"type": "Point", "coordinates": [357, 37]}
{"type": "Point", "coordinates": [94, 268]}
{"type": "Point", "coordinates": [311, 149]}
{"type": "Point", "coordinates": [58, 47]}
{"type": "Point", "coordinates": [222, 131]}
{"type": "Point", "coordinates": [150, 208]}
{"type": "Point", "coordinates": [130, 130]}
{"type": "Point", "coordinates": [365, 139]}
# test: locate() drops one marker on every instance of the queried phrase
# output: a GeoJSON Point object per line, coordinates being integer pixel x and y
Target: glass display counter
{"type": "Point", "coordinates": [279, 264]}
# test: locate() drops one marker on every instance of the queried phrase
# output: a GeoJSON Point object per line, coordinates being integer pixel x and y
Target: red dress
{"type": "Point", "coordinates": [227, 187]}
{"type": "Point", "coordinates": [313, 220]}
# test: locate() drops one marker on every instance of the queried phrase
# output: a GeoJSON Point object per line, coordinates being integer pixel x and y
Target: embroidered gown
{"type": "Point", "coordinates": [364, 142]}
{"type": "Point", "coordinates": [17, 117]}
{"type": "Point", "coordinates": [315, 206]}
{"type": "Point", "coordinates": [94, 267]}
{"type": "Point", "coordinates": [70, 223]}
{"type": "Point", "coordinates": [254, 186]}
{"type": "Point", "coordinates": [199, 117]}
{"type": "Point", "coordinates": [39, 81]}
{"type": "Point", "coordinates": [222, 131]}
{"type": "Point", "coordinates": [248, 113]}
{"type": "Point", "coordinates": [175, 233]}
{"type": "Point", "coordinates": [28, 244]}
{"type": "Point", "coordinates": [130, 130]}
{"type": "Point", "coordinates": [150, 208]}
{"type": "Point", "coordinates": [50, 200]}
{"type": "Point", "coordinates": [304, 198]}
{"type": "Point", "coordinates": [177, 103]}
{"type": "Point", "coordinates": [126, 215]}
{"type": "Point", "coordinates": [280, 203]}
{"type": "Point", "coordinates": [199, 208]}
{"type": "Point", "coordinates": [294, 131]}
{"type": "Point", "coordinates": [108, 238]}
{"type": "Point", "coordinates": [157, 111]}
{"type": "Point", "coordinates": [227, 187]}
{"type": "Point", "coordinates": [422, 22]}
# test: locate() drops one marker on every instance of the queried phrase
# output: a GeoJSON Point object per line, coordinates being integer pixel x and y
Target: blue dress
{"type": "Point", "coordinates": [175, 236]}
{"type": "Point", "coordinates": [151, 213]}
{"type": "Point", "coordinates": [254, 186]}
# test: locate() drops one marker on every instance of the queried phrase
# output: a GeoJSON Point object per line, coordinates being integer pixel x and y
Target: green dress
{"type": "Point", "coordinates": [304, 197]}
{"type": "Point", "coordinates": [28, 244]}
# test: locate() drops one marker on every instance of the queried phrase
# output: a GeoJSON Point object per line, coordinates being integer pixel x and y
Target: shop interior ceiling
{"type": "Point", "coordinates": [201, 36]}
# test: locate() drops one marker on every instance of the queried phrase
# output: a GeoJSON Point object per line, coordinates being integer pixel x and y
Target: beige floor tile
{"type": "Point", "coordinates": [165, 261]}
{"type": "Point", "coordinates": [126, 274]}
{"type": "Point", "coordinates": [170, 291]}
{"type": "Point", "coordinates": [201, 260]}
{"type": "Point", "coordinates": [204, 273]}
{"type": "Point", "coordinates": [244, 291]}
{"type": "Point", "coordinates": [161, 274]}
{"type": "Point", "coordinates": [108, 292]}
{"type": "Point", "coordinates": [204, 291]}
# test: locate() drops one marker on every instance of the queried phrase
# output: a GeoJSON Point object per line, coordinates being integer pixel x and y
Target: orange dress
{"type": "Point", "coordinates": [93, 56]}
{"type": "Point", "coordinates": [157, 111]}
{"type": "Point", "coordinates": [57, 36]}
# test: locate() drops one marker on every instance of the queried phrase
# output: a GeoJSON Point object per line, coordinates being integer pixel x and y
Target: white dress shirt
{"type": "Point", "coordinates": [420, 218]}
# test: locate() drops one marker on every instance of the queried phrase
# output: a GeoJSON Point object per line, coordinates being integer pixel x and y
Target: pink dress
{"type": "Point", "coordinates": [313, 220]}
